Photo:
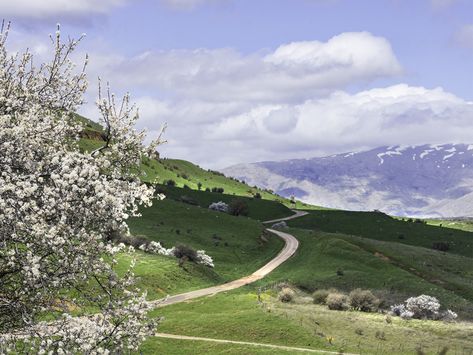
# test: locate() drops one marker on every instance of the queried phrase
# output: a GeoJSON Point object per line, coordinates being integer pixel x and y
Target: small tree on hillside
{"type": "Point", "coordinates": [238, 207]}
{"type": "Point", "coordinates": [58, 205]}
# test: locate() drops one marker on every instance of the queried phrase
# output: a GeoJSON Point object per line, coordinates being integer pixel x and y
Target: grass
{"type": "Point", "coordinates": [448, 271]}
{"type": "Point", "coordinates": [237, 244]}
{"type": "Point", "coordinates": [258, 209]}
{"type": "Point", "coordinates": [379, 226]}
{"type": "Point", "coordinates": [237, 315]}
{"type": "Point", "coordinates": [161, 276]}
{"type": "Point", "coordinates": [179, 347]}
{"type": "Point", "coordinates": [327, 260]}
{"type": "Point", "coordinates": [370, 333]}
{"type": "Point", "coordinates": [465, 225]}
{"type": "Point", "coordinates": [185, 173]}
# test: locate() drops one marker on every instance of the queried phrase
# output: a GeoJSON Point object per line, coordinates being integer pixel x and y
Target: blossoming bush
{"type": "Point", "coordinates": [57, 207]}
{"type": "Point", "coordinates": [219, 206]}
{"type": "Point", "coordinates": [198, 256]}
{"type": "Point", "coordinates": [422, 307]}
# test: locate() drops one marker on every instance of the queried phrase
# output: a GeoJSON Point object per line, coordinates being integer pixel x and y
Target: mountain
{"type": "Point", "coordinates": [418, 181]}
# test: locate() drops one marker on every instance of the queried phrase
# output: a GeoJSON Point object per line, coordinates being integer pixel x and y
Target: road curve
{"type": "Point", "coordinates": [289, 249]}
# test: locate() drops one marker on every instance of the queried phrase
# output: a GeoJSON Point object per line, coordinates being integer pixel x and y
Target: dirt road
{"type": "Point", "coordinates": [289, 249]}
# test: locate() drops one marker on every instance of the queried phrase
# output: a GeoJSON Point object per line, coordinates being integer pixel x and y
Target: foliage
{"type": "Point", "coordinates": [219, 206]}
{"type": "Point", "coordinates": [338, 301]}
{"type": "Point", "coordinates": [238, 207]}
{"type": "Point", "coordinates": [170, 182]}
{"type": "Point", "coordinates": [320, 296]}
{"type": "Point", "coordinates": [422, 307]}
{"type": "Point", "coordinates": [363, 300]}
{"type": "Point", "coordinates": [286, 295]}
{"type": "Point", "coordinates": [58, 205]}
{"type": "Point", "coordinates": [441, 246]}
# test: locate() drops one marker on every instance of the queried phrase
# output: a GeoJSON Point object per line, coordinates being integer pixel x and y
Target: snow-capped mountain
{"type": "Point", "coordinates": [422, 181]}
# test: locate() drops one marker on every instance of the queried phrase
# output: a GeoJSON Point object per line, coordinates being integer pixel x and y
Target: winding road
{"type": "Point", "coordinates": [289, 249]}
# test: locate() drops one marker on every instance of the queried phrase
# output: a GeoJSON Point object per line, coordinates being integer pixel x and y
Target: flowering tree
{"type": "Point", "coordinates": [58, 206]}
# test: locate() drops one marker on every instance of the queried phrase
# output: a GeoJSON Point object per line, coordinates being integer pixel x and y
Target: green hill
{"type": "Point", "coordinates": [182, 173]}
{"type": "Point", "coordinates": [394, 258]}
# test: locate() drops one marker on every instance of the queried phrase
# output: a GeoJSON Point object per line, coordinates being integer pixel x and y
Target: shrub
{"type": "Point", "coordinates": [442, 246]}
{"type": "Point", "coordinates": [380, 335]}
{"type": "Point", "coordinates": [170, 182]}
{"type": "Point", "coordinates": [219, 206]}
{"type": "Point", "coordinates": [182, 251]}
{"type": "Point", "coordinates": [199, 186]}
{"type": "Point", "coordinates": [207, 189]}
{"type": "Point", "coordinates": [286, 295]}
{"type": "Point", "coordinates": [320, 296]}
{"type": "Point", "coordinates": [219, 190]}
{"type": "Point", "coordinates": [238, 207]}
{"type": "Point", "coordinates": [204, 259]}
{"type": "Point", "coordinates": [448, 316]}
{"type": "Point", "coordinates": [338, 301]}
{"type": "Point", "coordinates": [364, 300]}
{"type": "Point", "coordinates": [257, 195]}
{"type": "Point", "coordinates": [279, 225]}
{"type": "Point", "coordinates": [423, 306]}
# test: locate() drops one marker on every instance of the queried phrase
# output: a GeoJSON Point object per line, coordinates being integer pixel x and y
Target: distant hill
{"type": "Point", "coordinates": [181, 173]}
{"type": "Point", "coordinates": [419, 181]}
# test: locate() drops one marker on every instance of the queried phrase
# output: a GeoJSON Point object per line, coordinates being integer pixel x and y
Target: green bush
{"type": "Point", "coordinates": [338, 301]}
{"type": "Point", "coordinates": [185, 252]}
{"type": "Point", "coordinates": [364, 300]}
{"type": "Point", "coordinates": [238, 207]}
{"type": "Point", "coordinates": [170, 183]}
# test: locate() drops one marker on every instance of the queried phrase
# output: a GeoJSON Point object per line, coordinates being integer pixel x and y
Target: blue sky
{"type": "Point", "coordinates": [261, 79]}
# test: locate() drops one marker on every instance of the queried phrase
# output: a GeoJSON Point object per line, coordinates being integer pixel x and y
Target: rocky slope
{"type": "Point", "coordinates": [423, 181]}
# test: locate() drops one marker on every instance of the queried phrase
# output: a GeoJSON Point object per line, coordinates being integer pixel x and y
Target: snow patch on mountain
{"type": "Point", "coordinates": [423, 181]}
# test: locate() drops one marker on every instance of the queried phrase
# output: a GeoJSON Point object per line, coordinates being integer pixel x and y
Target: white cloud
{"type": "Point", "coordinates": [223, 107]}
{"type": "Point", "coordinates": [292, 72]}
{"type": "Point", "coordinates": [39, 9]}
{"type": "Point", "coordinates": [189, 4]}
{"type": "Point", "coordinates": [464, 37]}
{"type": "Point", "coordinates": [442, 4]}
{"type": "Point", "coordinates": [341, 122]}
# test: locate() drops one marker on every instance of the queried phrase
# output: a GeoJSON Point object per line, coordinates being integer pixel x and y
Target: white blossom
{"type": "Point", "coordinates": [219, 206]}
{"type": "Point", "coordinates": [58, 205]}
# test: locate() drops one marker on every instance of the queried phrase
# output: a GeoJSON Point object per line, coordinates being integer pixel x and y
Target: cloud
{"type": "Point", "coordinates": [293, 72]}
{"type": "Point", "coordinates": [341, 122]}
{"type": "Point", "coordinates": [464, 37]}
{"type": "Point", "coordinates": [442, 4]}
{"type": "Point", "coordinates": [56, 8]}
{"type": "Point", "coordinates": [189, 4]}
{"type": "Point", "coordinates": [223, 107]}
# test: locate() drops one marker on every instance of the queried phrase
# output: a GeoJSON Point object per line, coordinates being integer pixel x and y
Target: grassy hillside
{"type": "Point", "coordinates": [238, 315]}
{"type": "Point", "coordinates": [184, 173]}
{"type": "Point", "coordinates": [237, 244]}
{"type": "Point", "coordinates": [379, 226]}
{"type": "Point", "coordinates": [258, 209]}
{"type": "Point", "coordinates": [342, 249]}
{"type": "Point", "coordinates": [395, 272]}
